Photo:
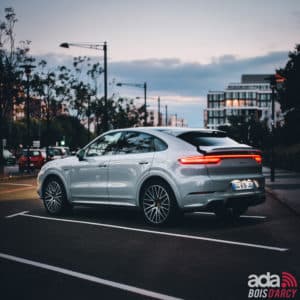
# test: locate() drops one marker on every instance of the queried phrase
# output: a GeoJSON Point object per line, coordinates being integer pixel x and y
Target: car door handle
{"type": "Point", "coordinates": [102, 166]}
{"type": "Point", "coordinates": [143, 162]}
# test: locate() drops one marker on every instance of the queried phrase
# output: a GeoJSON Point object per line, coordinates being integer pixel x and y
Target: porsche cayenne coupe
{"type": "Point", "coordinates": [163, 171]}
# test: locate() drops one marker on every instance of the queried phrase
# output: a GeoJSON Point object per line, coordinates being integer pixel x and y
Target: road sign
{"type": "Point", "coordinates": [36, 144]}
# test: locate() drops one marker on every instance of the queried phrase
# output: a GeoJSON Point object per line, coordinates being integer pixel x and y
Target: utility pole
{"type": "Point", "coordinates": [166, 114]}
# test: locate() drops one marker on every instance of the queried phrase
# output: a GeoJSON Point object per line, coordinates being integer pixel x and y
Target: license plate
{"type": "Point", "coordinates": [241, 185]}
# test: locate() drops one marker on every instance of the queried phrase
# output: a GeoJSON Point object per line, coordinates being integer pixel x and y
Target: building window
{"type": "Point", "coordinates": [229, 103]}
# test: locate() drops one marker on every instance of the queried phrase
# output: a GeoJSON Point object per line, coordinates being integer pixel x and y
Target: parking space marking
{"type": "Point", "coordinates": [191, 237]}
{"type": "Point", "coordinates": [17, 214]}
{"type": "Point", "coordinates": [242, 216]}
{"type": "Point", "coordinates": [15, 184]}
{"type": "Point", "coordinates": [114, 284]}
{"type": "Point", "coordinates": [253, 217]}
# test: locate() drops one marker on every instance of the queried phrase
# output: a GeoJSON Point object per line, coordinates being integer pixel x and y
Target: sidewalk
{"type": "Point", "coordinates": [286, 187]}
{"type": "Point", "coordinates": [12, 172]}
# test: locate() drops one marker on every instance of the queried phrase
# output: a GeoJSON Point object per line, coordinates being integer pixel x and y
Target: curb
{"type": "Point", "coordinates": [281, 200]}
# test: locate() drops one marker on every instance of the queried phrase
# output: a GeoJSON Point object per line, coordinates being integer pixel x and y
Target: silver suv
{"type": "Point", "coordinates": [162, 171]}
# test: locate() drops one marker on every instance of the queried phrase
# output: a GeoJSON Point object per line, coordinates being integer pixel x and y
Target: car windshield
{"type": "Point", "coordinates": [214, 138]}
{"type": "Point", "coordinates": [57, 152]}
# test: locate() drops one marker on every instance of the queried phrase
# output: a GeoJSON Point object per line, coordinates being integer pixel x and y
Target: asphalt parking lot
{"type": "Point", "coordinates": [105, 253]}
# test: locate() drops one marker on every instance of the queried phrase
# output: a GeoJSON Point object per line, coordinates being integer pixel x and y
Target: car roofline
{"type": "Point", "coordinates": [167, 128]}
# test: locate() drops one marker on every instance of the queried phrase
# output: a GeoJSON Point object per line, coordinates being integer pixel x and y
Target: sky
{"type": "Point", "coordinates": [182, 49]}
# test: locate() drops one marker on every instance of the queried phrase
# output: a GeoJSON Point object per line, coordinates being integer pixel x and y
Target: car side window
{"type": "Point", "coordinates": [136, 142]}
{"type": "Point", "coordinates": [105, 145]}
{"type": "Point", "coordinates": [159, 145]}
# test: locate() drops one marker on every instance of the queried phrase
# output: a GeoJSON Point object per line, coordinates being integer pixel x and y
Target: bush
{"type": "Point", "coordinates": [288, 157]}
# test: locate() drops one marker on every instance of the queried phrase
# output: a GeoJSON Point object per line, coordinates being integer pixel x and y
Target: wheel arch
{"type": "Point", "coordinates": [62, 181]}
{"type": "Point", "coordinates": [161, 178]}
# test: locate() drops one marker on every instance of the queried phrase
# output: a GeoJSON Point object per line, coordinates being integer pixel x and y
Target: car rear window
{"type": "Point", "coordinates": [31, 153]}
{"type": "Point", "coordinates": [214, 138]}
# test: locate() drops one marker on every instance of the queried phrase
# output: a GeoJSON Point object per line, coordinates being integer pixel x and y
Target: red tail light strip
{"type": "Point", "coordinates": [214, 159]}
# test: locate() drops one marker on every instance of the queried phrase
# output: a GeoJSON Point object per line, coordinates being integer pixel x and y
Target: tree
{"type": "Point", "coordinates": [289, 97]}
{"type": "Point", "coordinates": [53, 91]}
{"type": "Point", "coordinates": [252, 132]}
{"type": "Point", "coordinates": [10, 75]}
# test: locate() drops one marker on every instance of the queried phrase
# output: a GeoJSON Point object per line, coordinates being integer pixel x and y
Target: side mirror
{"type": "Point", "coordinates": [80, 154]}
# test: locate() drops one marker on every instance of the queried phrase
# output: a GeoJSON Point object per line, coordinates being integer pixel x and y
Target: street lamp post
{"type": "Point", "coordinates": [158, 108]}
{"type": "Point", "coordinates": [272, 158]}
{"type": "Point", "coordinates": [27, 69]}
{"type": "Point", "coordinates": [139, 85]}
{"type": "Point", "coordinates": [88, 117]}
{"type": "Point", "coordinates": [274, 80]}
{"type": "Point", "coordinates": [159, 117]}
{"type": "Point", "coordinates": [102, 47]}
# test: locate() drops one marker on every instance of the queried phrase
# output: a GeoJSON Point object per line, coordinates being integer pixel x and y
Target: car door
{"type": "Point", "coordinates": [129, 165]}
{"type": "Point", "coordinates": [89, 178]}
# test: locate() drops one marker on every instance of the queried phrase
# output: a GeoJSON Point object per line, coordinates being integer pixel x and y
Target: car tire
{"type": "Point", "coordinates": [54, 197]}
{"type": "Point", "coordinates": [158, 203]}
{"type": "Point", "coordinates": [238, 211]}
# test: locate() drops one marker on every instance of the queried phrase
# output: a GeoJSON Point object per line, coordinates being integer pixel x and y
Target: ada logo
{"type": "Point", "coordinates": [272, 286]}
{"type": "Point", "coordinates": [264, 280]}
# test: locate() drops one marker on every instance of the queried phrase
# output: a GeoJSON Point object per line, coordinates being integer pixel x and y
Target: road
{"type": "Point", "coordinates": [105, 253]}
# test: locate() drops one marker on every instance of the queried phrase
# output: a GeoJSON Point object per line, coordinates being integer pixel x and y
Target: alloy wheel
{"type": "Point", "coordinates": [156, 204]}
{"type": "Point", "coordinates": [53, 197]}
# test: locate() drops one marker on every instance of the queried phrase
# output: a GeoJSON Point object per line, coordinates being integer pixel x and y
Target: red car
{"type": "Point", "coordinates": [36, 159]}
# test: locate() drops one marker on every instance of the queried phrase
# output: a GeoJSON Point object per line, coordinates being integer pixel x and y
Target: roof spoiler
{"type": "Point", "coordinates": [228, 150]}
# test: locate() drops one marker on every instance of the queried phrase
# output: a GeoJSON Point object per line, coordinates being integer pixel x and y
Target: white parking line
{"type": "Point", "coordinates": [191, 237]}
{"type": "Point", "coordinates": [16, 184]}
{"type": "Point", "coordinates": [17, 214]}
{"type": "Point", "coordinates": [91, 278]}
{"type": "Point", "coordinates": [242, 216]}
{"type": "Point", "coordinates": [253, 217]}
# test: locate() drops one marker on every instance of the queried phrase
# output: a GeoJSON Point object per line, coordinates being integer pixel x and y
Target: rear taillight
{"type": "Point", "coordinates": [214, 159]}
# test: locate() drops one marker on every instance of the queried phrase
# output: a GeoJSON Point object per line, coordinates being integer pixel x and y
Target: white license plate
{"type": "Point", "coordinates": [241, 185]}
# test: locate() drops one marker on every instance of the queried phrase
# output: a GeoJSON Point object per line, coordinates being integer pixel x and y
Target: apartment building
{"type": "Point", "coordinates": [250, 98]}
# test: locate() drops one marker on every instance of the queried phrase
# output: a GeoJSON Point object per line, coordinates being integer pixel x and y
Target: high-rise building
{"type": "Point", "coordinates": [250, 98]}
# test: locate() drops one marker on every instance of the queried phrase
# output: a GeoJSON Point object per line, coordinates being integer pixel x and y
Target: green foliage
{"type": "Point", "coordinates": [251, 132]}
{"type": "Point", "coordinates": [289, 97]}
{"type": "Point", "coordinates": [64, 126]}
{"type": "Point", "coordinates": [76, 89]}
{"type": "Point", "coordinates": [288, 157]}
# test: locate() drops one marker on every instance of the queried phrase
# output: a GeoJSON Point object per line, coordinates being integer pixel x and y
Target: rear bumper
{"type": "Point", "coordinates": [209, 202]}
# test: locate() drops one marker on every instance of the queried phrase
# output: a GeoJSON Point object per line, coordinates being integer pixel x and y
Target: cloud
{"type": "Point", "coordinates": [193, 78]}
{"type": "Point", "coordinates": [183, 85]}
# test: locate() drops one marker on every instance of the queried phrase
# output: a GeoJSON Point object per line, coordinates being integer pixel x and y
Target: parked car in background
{"type": "Point", "coordinates": [36, 159]}
{"type": "Point", "coordinates": [9, 158]}
{"type": "Point", "coordinates": [56, 152]}
{"type": "Point", "coordinates": [161, 171]}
